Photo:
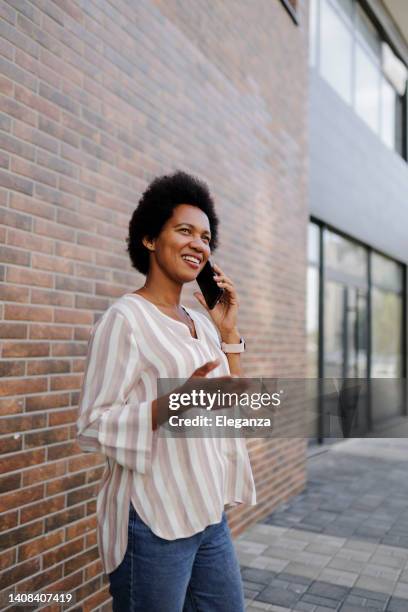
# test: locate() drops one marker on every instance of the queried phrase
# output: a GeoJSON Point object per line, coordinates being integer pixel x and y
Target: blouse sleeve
{"type": "Point", "coordinates": [106, 422]}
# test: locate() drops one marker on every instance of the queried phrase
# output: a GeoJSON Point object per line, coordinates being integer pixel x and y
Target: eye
{"type": "Point", "coordinates": [184, 229]}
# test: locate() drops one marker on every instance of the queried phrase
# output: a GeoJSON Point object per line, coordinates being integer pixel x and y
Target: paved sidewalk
{"type": "Point", "coordinates": [342, 544]}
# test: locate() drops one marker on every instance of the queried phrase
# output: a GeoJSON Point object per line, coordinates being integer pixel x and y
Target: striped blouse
{"type": "Point", "coordinates": [178, 486]}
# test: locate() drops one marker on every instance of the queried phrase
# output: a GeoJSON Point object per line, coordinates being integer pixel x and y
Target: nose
{"type": "Point", "coordinates": [199, 245]}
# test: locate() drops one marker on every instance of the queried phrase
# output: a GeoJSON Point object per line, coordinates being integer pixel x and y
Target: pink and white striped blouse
{"type": "Point", "coordinates": [178, 486]}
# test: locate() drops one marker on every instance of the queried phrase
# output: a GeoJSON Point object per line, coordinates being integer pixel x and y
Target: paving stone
{"type": "Point", "coordinates": [375, 584]}
{"type": "Point", "coordinates": [346, 565]}
{"type": "Point", "coordinates": [362, 604]}
{"type": "Point", "coordinates": [276, 565]}
{"type": "Point", "coordinates": [250, 593]}
{"type": "Point", "coordinates": [253, 548]}
{"type": "Point", "coordinates": [300, 569]}
{"type": "Point", "coordinates": [397, 604]}
{"type": "Point", "coordinates": [401, 590]}
{"type": "Point", "coordinates": [260, 605]}
{"type": "Point", "coordinates": [328, 590]}
{"type": "Point", "coordinates": [296, 534]}
{"type": "Point", "coordinates": [259, 576]}
{"type": "Point", "coordinates": [278, 596]}
{"type": "Point", "coordinates": [297, 588]}
{"type": "Point", "coordinates": [404, 576]}
{"type": "Point", "coordinates": [245, 558]}
{"type": "Point", "coordinates": [322, 548]}
{"type": "Point", "coordinates": [392, 551]}
{"type": "Point", "coordinates": [292, 544]}
{"type": "Point", "coordinates": [304, 580]}
{"type": "Point", "coordinates": [338, 577]}
{"type": "Point", "coordinates": [347, 608]}
{"type": "Point", "coordinates": [278, 583]}
{"type": "Point", "coordinates": [380, 571]}
{"type": "Point", "coordinates": [354, 555]}
{"type": "Point", "coordinates": [313, 559]}
{"type": "Point", "coordinates": [388, 561]}
{"type": "Point", "coordinates": [352, 600]}
{"type": "Point", "coordinates": [281, 553]}
{"type": "Point", "coordinates": [365, 593]}
{"type": "Point", "coordinates": [360, 545]}
{"type": "Point", "coordinates": [303, 606]}
{"type": "Point", "coordinates": [321, 601]}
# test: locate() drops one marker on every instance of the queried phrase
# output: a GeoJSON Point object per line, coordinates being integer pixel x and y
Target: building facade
{"type": "Point", "coordinates": [358, 247]}
{"type": "Point", "coordinates": [97, 98]}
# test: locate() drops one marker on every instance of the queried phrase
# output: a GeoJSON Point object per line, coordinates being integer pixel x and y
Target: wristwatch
{"type": "Point", "coordinates": [233, 348]}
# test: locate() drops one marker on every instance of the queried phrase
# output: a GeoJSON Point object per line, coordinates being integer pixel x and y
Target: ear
{"type": "Point", "coordinates": [149, 244]}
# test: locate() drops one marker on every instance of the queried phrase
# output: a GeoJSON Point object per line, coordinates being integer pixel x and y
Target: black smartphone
{"type": "Point", "coordinates": [209, 288]}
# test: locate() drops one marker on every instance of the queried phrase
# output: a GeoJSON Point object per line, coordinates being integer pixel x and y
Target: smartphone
{"type": "Point", "coordinates": [209, 288]}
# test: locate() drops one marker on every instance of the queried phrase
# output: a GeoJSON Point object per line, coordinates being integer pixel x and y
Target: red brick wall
{"type": "Point", "coordinates": [94, 102]}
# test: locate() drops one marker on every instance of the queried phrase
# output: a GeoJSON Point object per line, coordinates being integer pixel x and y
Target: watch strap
{"type": "Point", "coordinates": [233, 348]}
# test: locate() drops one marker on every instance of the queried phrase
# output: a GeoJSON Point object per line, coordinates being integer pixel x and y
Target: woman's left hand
{"type": "Point", "coordinates": [225, 312]}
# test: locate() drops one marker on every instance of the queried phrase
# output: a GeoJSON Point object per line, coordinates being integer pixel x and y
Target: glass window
{"type": "Point", "coordinates": [368, 32]}
{"type": "Point", "coordinates": [386, 273]}
{"type": "Point", "coordinates": [346, 6]}
{"type": "Point", "coordinates": [386, 334]}
{"type": "Point", "coordinates": [387, 279]}
{"type": "Point", "coordinates": [333, 330]}
{"type": "Point", "coordinates": [336, 43]}
{"type": "Point", "coordinates": [399, 125]}
{"type": "Point", "coordinates": [344, 255]}
{"type": "Point", "coordinates": [313, 243]}
{"type": "Point", "coordinates": [367, 89]}
{"type": "Point", "coordinates": [312, 322]}
{"type": "Point", "coordinates": [351, 55]}
{"type": "Point", "coordinates": [388, 114]}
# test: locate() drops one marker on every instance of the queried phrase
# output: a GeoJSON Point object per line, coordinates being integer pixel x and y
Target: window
{"type": "Point", "coordinates": [387, 313]}
{"type": "Point", "coordinates": [336, 51]}
{"type": "Point", "coordinates": [367, 89]}
{"type": "Point", "coordinates": [312, 301]}
{"type": "Point", "coordinates": [347, 50]}
{"type": "Point", "coordinates": [354, 322]}
{"type": "Point", "coordinates": [388, 114]}
{"type": "Point", "coordinates": [291, 6]}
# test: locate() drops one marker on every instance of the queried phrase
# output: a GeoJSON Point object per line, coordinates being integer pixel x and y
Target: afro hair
{"type": "Point", "coordinates": [156, 206]}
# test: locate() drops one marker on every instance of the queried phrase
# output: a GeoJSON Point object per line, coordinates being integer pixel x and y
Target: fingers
{"type": "Point", "coordinates": [207, 367]}
{"type": "Point", "coordinates": [224, 282]}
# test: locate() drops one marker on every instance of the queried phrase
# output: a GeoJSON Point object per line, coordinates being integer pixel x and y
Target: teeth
{"type": "Point", "coordinates": [193, 259]}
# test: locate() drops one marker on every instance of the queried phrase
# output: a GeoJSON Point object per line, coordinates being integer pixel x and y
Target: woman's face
{"type": "Point", "coordinates": [182, 247]}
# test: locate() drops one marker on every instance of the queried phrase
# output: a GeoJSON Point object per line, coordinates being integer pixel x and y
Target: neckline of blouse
{"type": "Point", "coordinates": [193, 318]}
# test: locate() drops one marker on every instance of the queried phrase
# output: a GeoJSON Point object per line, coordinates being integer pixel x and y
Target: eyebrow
{"type": "Point", "coordinates": [190, 225]}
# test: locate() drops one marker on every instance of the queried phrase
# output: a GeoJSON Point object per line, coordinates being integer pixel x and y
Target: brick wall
{"type": "Point", "coordinates": [96, 98]}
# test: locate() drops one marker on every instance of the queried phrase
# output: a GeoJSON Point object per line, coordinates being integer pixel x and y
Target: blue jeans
{"type": "Point", "coordinates": [195, 574]}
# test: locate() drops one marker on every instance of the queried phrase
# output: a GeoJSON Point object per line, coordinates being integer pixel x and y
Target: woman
{"type": "Point", "coordinates": [162, 530]}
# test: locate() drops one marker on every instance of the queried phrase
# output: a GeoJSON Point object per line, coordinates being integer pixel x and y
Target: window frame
{"type": "Point", "coordinates": [369, 286]}
{"type": "Point", "coordinates": [358, 39]}
{"type": "Point", "coordinates": [292, 8]}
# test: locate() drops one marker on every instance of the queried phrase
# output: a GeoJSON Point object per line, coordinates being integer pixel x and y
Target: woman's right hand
{"type": "Point", "coordinates": [211, 385]}
{"type": "Point", "coordinates": [160, 407]}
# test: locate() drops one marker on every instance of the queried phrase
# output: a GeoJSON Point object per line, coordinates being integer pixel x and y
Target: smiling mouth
{"type": "Point", "coordinates": [192, 262]}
